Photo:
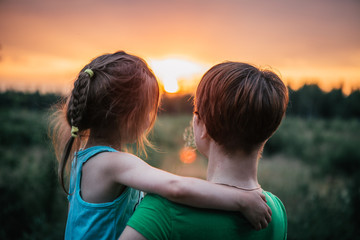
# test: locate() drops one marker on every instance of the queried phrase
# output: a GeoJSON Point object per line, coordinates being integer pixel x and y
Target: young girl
{"type": "Point", "coordinates": [114, 102]}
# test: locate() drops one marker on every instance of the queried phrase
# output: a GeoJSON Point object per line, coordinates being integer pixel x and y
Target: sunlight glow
{"type": "Point", "coordinates": [172, 70]}
{"type": "Point", "coordinates": [171, 85]}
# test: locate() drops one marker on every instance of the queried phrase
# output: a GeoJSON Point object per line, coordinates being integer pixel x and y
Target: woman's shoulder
{"type": "Point", "coordinates": [274, 202]}
{"type": "Point", "coordinates": [272, 196]}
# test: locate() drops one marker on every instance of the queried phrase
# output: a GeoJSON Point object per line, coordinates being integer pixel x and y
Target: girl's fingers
{"type": "Point", "coordinates": [264, 224]}
{"type": "Point", "coordinates": [269, 211]}
{"type": "Point", "coordinates": [263, 197]}
{"type": "Point", "coordinates": [268, 218]}
{"type": "Point", "coordinates": [258, 227]}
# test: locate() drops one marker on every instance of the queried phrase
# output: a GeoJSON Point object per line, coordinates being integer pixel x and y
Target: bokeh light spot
{"type": "Point", "coordinates": [187, 155]}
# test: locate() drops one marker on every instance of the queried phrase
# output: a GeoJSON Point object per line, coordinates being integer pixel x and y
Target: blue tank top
{"type": "Point", "coordinates": [97, 220]}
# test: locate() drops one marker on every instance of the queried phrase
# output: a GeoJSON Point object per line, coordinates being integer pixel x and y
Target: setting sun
{"type": "Point", "coordinates": [171, 71]}
{"type": "Point", "coordinates": [170, 84]}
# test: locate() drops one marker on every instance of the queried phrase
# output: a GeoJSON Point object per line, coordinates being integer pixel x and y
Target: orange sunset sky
{"type": "Point", "coordinates": [44, 43]}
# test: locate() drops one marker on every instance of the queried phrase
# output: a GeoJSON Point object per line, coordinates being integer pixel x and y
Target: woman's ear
{"type": "Point", "coordinates": [200, 127]}
{"type": "Point", "coordinates": [203, 131]}
{"type": "Point", "coordinates": [202, 139]}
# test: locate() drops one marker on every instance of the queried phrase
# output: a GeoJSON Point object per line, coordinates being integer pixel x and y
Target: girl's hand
{"type": "Point", "coordinates": [255, 209]}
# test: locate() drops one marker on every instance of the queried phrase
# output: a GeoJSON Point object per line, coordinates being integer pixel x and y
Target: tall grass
{"type": "Point", "coordinates": [312, 165]}
{"type": "Point", "coordinates": [33, 206]}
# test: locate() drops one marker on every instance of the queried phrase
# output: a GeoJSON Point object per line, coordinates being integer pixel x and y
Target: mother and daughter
{"type": "Point", "coordinates": [114, 103]}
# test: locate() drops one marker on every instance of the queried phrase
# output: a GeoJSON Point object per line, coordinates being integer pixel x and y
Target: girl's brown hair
{"type": "Point", "coordinates": [117, 105]}
{"type": "Point", "coordinates": [240, 105]}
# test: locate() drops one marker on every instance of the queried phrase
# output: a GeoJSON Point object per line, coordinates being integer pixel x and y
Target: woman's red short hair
{"type": "Point", "coordinates": [240, 105]}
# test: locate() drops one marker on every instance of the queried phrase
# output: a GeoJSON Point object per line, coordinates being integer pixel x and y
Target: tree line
{"type": "Point", "coordinates": [308, 102]}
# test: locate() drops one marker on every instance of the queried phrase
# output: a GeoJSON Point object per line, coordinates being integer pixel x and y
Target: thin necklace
{"type": "Point", "coordinates": [241, 188]}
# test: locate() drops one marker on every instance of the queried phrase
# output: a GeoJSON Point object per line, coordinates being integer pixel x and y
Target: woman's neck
{"type": "Point", "coordinates": [238, 169]}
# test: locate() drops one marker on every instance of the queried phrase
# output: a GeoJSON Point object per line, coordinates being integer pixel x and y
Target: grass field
{"type": "Point", "coordinates": [310, 164]}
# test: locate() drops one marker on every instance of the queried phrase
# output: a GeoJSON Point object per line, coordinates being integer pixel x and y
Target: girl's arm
{"type": "Point", "coordinates": [131, 171]}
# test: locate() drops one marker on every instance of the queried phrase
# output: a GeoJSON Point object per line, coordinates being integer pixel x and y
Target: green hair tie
{"type": "Point", "coordinates": [90, 72]}
{"type": "Point", "coordinates": [74, 131]}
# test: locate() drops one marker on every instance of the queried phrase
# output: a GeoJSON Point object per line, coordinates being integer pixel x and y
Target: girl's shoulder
{"type": "Point", "coordinates": [119, 155]}
{"type": "Point", "coordinates": [118, 159]}
{"type": "Point", "coordinates": [106, 154]}
{"type": "Point", "coordinates": [108, 165]}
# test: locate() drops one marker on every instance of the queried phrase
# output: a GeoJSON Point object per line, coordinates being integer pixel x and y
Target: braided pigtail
{"type": "Point", "coordinates": [75, 111]}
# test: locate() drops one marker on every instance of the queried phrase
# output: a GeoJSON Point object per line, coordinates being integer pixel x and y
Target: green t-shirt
{"type": "Point", "coordinates": [158, 218]}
